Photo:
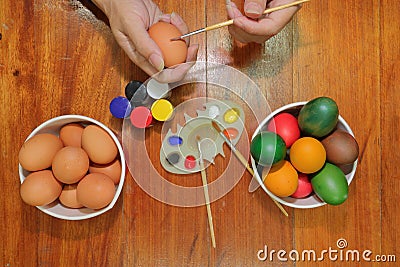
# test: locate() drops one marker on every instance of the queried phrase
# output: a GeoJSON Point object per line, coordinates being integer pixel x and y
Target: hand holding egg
{"type": "Point", "coordinates": [130, 21]}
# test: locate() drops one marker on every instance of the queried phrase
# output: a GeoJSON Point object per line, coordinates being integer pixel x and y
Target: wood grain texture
{"type": "Point", "coordinates": [60, 57]}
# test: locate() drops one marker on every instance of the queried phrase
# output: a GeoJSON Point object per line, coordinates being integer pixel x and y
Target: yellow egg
{"type": "Point", "coordinates": [282, 179]}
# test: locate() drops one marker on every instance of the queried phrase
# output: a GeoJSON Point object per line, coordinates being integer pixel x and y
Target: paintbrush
{"type": "Point", "coordinates": [242, 159]}
{"type": "Point", "coordinates": [205, 187]}
{"type": "Point", "coordinates": [230, 22]}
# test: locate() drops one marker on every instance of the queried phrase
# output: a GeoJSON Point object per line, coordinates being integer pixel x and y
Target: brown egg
{"type": "Point", "coordinates": [99, 145]}
{"type": "Point", "coordinates": [70, 164]}
{"type": "Point", "coordinates": [38, 152]}
{"type": "Point", "coordinates": [341, 147]}
{"type": "Point", "coordinates": [40, 188]}
{"type": "Point", "coordinates": [174, 52]}
{"type": "Point", "coordinates": [71, 134]}
{"type": "Point", "coordinates": [112, 170]}
{"type": "Point", "coordinates": [95, 190]}
{"type": "Point", "coordinates": [68, 196]}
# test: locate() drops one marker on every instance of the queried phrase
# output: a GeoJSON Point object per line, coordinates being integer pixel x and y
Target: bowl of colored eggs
{"type": "Point", "coordinates": [305, 154]}
{"type": "Point", "coordinates": [71, 167]}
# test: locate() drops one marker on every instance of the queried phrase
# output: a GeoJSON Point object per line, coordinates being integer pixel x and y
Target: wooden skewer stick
{"type": "Point", "coordinates": [206, 195]}
{"type": "Point", "coordinates": [230, 22]}
{"type": "Point", "coordinates": [243, 160]}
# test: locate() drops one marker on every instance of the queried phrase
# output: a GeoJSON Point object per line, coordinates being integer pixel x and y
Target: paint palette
{"type": "Point", "coordinates": [179, 151]}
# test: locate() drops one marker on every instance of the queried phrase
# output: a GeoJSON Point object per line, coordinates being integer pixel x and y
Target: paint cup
{"type": "Point", "coordinates": [141, 117]}
{"type": "Point", "coordinates": [157, 90]}
{"type": "Point", "coordinates": [162, 110]}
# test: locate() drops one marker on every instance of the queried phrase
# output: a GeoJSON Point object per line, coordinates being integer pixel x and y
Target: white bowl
{"type": "Point", "coordinates": [311, 201]}
{"type": "Point", "coordinates": [56, 209]}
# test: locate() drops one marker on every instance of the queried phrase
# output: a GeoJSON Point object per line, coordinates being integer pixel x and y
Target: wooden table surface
{"type": "Point", "coordinates": [59, 57]}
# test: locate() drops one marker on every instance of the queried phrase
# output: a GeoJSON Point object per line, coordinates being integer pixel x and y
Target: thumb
{"type": "Point", "coordinates": [145, 46]}
{"type": "Point", "coordinates": [254, 8]}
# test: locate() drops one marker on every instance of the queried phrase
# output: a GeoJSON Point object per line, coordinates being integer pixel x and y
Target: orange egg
{"type": "Point", "coordinates": [282, 179]}
{"type": "Point", "coordinates": [307, 155]}
{"type": "Point", "coordinates": [174, 52]}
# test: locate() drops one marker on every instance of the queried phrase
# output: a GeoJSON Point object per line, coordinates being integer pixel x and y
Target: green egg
{"type": "Point", "coordinates": [318, 117]}
{"type": "Point", "coordinates": [267, 148]}
{"type": "Point", "coordinates": [330, 184]}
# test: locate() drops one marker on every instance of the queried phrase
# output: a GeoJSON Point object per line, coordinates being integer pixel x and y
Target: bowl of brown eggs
{"type": "Point", "coordinates": [71, 167]}
{"type": "Point", "coordinates": [305, 154]}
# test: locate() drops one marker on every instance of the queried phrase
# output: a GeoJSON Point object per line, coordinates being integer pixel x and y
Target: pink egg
{"type": "Point", "coordinates": [286, 126]}
{"type": "Point", "coordinates": [304, 187]}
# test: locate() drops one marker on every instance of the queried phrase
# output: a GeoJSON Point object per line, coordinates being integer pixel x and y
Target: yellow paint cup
{"type": "Point", "coordinates": [162, 110]}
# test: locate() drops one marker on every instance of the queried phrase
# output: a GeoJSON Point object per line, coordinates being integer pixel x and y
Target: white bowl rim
{"type": "Point", "coordinates": [81, 118]}
{"type": "Point", "coordinates": [349, 176]}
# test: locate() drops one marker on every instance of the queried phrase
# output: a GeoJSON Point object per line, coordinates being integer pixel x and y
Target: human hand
{"type": "Point", "coordinates": [254, 26]}
{"type": "Point", "coordinates": [129, 22]}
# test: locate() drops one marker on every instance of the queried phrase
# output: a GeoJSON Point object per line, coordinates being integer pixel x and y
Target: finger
{"type": "Point", "coordinates": [268, 26]}
{"type": "Point", "coordinates": [279, 19]}
{"type": "Point", "coordinates": [232, 9]}
{"type": "Point", "coordinates": [178, 72]}
{"type": "Point", "coordinates": [237, 33]}
{"type": "Point", "coordinates": [144, 45]}
{"type": "Point", "coordinates": [133, 55]}
{"type": "Point", "coordinates": [254, 8]}
{"type": "Point", "coordinates": [166, 18]}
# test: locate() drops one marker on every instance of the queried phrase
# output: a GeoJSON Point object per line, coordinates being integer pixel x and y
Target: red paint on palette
{"type": "Point", "coordinates": [231, 133]}
{"type": "Point", "coordinates": [190, 162]}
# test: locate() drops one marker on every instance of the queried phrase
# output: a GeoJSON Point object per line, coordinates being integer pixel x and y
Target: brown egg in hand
{"type": "Point", "coordinates": [174, 52]}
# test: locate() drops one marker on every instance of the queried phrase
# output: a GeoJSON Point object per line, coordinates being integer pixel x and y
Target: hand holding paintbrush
{"type": "Point", "coordinates": [230, 22]}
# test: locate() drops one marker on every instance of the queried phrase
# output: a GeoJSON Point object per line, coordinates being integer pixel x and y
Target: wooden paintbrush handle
{"type": "Point", "coordinates": [219, 25]}
{"type": "Point", "coordinates": [243, 161]}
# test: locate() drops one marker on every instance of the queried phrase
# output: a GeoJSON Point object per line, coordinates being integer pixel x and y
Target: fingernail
{"type": "Point", "coordinates": [157, 62]}
{"type": "Point", "coordinates": [173, 15]}
{"type": "Point", "coordinates": [228, 2]}
{"type": "Point", "coordinates": [253, 8]}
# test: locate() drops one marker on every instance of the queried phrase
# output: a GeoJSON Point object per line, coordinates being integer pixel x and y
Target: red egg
{"type": "Point", "coordinates": [304, 188]}
{"type": "Point", "coordinates": [286, 126]}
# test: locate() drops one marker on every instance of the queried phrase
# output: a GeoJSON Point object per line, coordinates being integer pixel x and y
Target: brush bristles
{"type": "Point", "coordinates": [216, 127]}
